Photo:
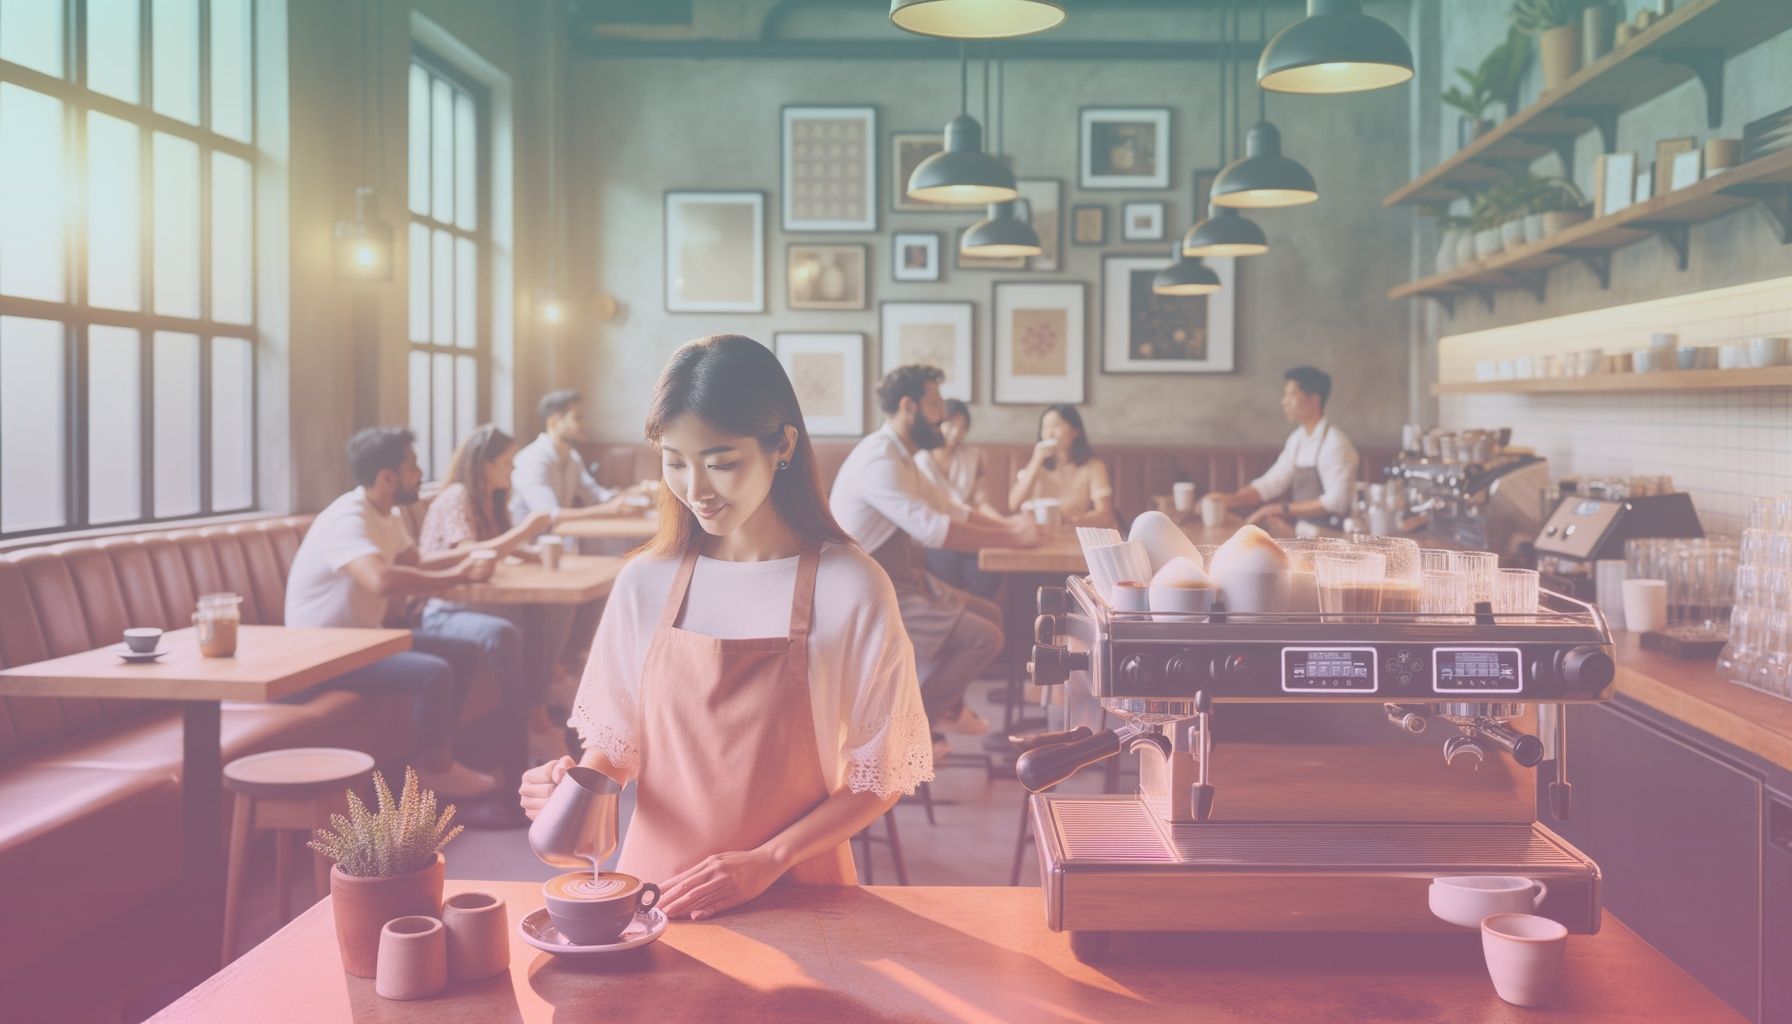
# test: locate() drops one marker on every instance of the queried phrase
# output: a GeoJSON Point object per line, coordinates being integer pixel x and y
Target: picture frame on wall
{"type": "Point", "coordinates": [962, 261]}
{"type": "Point", "coordinates": [1043, 198]}
{"type": "Point", "coordinates": [1124, 148]}
{"type": "Point", "coordinates": [1143, 220]}
{"type": "Point", "coordinates": [715, 251]}
{"type": "Point", "coordinates": [934, 334]}
{"type": "Point", "coordinates": [1040, 348]}
{"type": "Point", "coordinates": [1614, 182]}
{"type": "Point", "coordinates": [1088, 224]}
{"type": "Point", "coordinates": [827, 370]}
{"type": "Point", "coordinates": [827, 276]}
{"type": "Point", "coordinates": [829, 169]}
{"type": "Point", "coordinates": [915, 256]}
{"type": "Point", "coordinates": [907, 150]}
{"type": "Point", "coordinates": [1143, 332]}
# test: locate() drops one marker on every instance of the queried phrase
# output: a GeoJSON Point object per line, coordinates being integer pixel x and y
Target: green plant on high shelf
{"type": "Point", "coordinates": [1495, 80]}
{"type": "Point", "coordinates": [1558, 195]}
{"type": "Point", "coordinates": [1535, 17]}
{"type": "Point", "coordinates": [396, 838]}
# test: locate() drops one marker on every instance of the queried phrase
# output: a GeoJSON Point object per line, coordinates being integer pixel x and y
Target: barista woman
{"type": "Point", "coordinates": [751, 674]}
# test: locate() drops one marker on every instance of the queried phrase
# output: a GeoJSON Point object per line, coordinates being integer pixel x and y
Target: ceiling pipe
{"type": "Point", "coordinates": [919, 49]}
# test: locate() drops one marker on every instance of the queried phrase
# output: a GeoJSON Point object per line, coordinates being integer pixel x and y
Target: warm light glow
{"type": "Point", "coordinates": [1335, 77]}
{"type": "Point", "coordinates": [976, 19]}
{"type": "Point", "coordinates": [1227, 249]}
{"type": "Point", "coordinates": [551, 311]}
{"type": "Point", "coordinates": [366, 256]}
{"type": "Point", "coordinates": [1266, 198]}
{"type": "Point", "coordinates": [1001, 250]}
{"type": "Point", "coordinates": [964, 195]}
{"type": "Point", "coordinates": [1185, 289]}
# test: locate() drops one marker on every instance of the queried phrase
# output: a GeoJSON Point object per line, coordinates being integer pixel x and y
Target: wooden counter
{"type": "Point", "coordinates": [1691, 692]}
{"type": "Point", "coordinates": [951, 954]}
{"type": "Point", "coordinates": [1062, 553]}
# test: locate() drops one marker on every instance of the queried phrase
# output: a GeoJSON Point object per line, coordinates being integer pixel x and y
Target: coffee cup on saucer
{"type": "Point", "coordinates": [142, 639]}
{"type": "Point", "coordinates": [1132, 596]}
{"type": "Point", "coordinates": [1465, 899]}
{"type": "Point", "coordinates": [594, 909]}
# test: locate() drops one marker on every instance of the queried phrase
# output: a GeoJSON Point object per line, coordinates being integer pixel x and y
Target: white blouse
{"type": "Point", "coordinates": [870, 728]}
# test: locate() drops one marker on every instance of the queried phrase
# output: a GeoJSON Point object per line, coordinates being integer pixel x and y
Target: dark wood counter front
{"type": "Point", "coordinates": [1691, 692]}
{"type": "Point", "coordinates": [952, 954]}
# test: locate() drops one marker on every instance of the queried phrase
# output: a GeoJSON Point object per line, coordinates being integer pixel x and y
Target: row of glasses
{"type": "Point", "coordinates": [1700, 574]}
{"type": "Point", "coordinates": [1759, 651]}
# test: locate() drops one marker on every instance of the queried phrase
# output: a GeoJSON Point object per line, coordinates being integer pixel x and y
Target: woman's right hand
{"type": "Point", "coordinates": [1042, 451]}
{"type": "Point", "coordinates": [539, 782]}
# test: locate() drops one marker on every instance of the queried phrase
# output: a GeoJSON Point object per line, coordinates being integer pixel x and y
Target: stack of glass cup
{"type": "Point", "coordinates": [1701, 578]}
{"type": "Point", "coordinates": [1759, 653]}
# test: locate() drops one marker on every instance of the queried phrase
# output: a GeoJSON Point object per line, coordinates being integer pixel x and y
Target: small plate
{"type": "Point", "coordinates": [538, 930]}
{"type": "Point", "coordinates": [129, 655]}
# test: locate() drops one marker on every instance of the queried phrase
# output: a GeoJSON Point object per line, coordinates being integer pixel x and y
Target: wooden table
{"type": "Point", "coordinates": [618, 528]}
{"type": "Point", "coordinates": [580, 579]}
{"type": "Point", "coordinates": [271, 662]}
{"type": "Point", "coordinates": [952, 954]}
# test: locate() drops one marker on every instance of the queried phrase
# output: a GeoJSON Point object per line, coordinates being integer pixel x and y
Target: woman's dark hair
{"type": "Point", "coordinates": [956, 407]}
{"type": "Point", "coordinates": [1080, 452]}
{"type": "Point", "coordinates": [738, 387]}
{"type": "Point", "coordinates": [491, 509]}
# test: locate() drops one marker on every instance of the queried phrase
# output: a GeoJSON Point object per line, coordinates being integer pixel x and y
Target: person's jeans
{"type": "Point", "coordinates": [975, 642]}
{"type": "Point", "coordinates": [432, 679]}
{"type": "Point", "coordinates": [497, 651]}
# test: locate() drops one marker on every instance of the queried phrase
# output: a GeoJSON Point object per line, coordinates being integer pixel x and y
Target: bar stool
{"type": "Point", "coordinates": [891, 839]}
{"type": "Point", "coordinates": [287, 791]}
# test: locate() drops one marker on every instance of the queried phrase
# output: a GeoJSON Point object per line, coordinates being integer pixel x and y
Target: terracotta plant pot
{"type": "Point", "coordinates": [1561, 220]}
{"type": "Point", "coordinates": [1558, 51]}
{"type": "Point", "coordinates": [478, 935]}
{"type": "Point", "coordinates": [362, 907]}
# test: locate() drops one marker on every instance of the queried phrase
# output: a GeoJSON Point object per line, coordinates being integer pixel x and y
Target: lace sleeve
{"type": "Point", "coordinates": [890, 756]}
{"type": "Point", "coordinates": [604, 718]}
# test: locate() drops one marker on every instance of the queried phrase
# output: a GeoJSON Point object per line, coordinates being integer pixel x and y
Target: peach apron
{"type": "Point", "coordinates": [728, 755]}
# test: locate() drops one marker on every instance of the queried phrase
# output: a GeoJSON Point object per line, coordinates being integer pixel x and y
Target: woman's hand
{"type": "Point", "coordinates": [1042, 451]}
{"type": "Point", "coordinates": [535, 525]}
{"type": "Point", "coordinates": [718, 883]}
{"type": "Point", "coordinates": [538, 784]}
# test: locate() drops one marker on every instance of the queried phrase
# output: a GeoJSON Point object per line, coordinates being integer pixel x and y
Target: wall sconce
{"type": "Point", "coordinates": [363, 246]}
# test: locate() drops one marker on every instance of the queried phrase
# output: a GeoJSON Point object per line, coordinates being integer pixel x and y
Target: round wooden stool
{"type": "Point", "coordinates": [288, 791]}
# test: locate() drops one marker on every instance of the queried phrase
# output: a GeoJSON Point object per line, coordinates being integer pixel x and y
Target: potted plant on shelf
{"type": "Point", "coordinates": [388, 864]}
{"type": "Point", "coordinates": [1453, 231]}
{"type": "Point", "coordinates": [1494, 80]}
{"type": "Point", "coordinates": [1556, 24]}
{"type": "Point", "coordinates": [1562, 207]}
{"type": "Point", "coordinates": [1486, 214]}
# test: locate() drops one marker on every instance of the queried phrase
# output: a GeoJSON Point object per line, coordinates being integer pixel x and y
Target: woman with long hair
{"type": "Point", "coordinates": [1064, 467]}
{"type": "Point", "coordinates": [751, 674]}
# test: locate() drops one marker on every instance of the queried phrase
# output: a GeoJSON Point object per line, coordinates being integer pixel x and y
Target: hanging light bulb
{"type": "Point", "coordinates": [1224, 231]}
{"type": "Point", "coordinates": [1335, 48]}
{"type": "Point", "coordinates": [976, 19]}
{"type": "Point", "coordinates": [363, 246]}
{"type": "Point", "coordinates": [1185, 276]}
{"type": "Point", "coordinates": [962, 174]}
{"type": "Point", "coordinates": [549, 307]}
{"type": "Point", "coordinates": [1001, 234]}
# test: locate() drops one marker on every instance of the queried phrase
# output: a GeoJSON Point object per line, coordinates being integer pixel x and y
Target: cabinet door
{"type": "Point", "coordinates": [1776, 927]}
{"type": "Point", "coordinates": [1677, 833]}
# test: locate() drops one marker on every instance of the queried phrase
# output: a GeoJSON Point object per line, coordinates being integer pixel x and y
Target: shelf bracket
{"type": "Point", "coordinates": [1485, 295]}
{"type": "Point", "coordinates": [1708, 66]}
{"type": "Point", "coordinates": [1445, 299]}
{"type": "Point", "coordinates": [1603, 118]}
{"type": "Point", "coordinates": [1599, 261]}
{"type": "Point", "coordinates": [1677, 234]}
{"type": "Point", "coordinates": [1532, 281]}
{"type": "Point", "coordinates": [1776, 202]}
{"type": "Point", "coordinates": [1561, 145]}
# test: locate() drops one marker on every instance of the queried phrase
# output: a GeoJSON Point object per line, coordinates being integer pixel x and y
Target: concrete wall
{"type": "Point", "coordinates": [645, 126]}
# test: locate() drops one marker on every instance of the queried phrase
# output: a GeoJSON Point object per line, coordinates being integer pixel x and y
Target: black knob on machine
{"type": "Point", "coordinates": [1052, 666]}
{"type": "Point", "coordinates": [1053, 600]}
{"type": "Point", "coordinates": [1234, 668]}
{"type": "Point", "coordinates": [1139, 670]}
{"type": "Point", "coordinates": [1586, 668]}
{"type": "Point", "coordinates": [1190, 670]}
{"type": "Point", "coordinates": [1045, 630]}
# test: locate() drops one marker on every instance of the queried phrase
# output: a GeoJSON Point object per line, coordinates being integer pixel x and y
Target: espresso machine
{"type": "Point", "coordinates": [1306, 772]}
{"type": "Point", "coordinates": [1489, 500]}
{"type": "Point", "coordinates": [1588, 528]}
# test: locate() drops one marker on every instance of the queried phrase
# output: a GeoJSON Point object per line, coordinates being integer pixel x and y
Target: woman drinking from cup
{"type": "Point", "coordinates": [751, 673]}
{"type": "Point", "coordinates": [1064, 469]}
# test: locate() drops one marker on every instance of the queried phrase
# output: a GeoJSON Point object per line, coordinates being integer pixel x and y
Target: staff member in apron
{"type": "Point", "coordinates": [881, 497]}
{"type": "Point", "coordinates": [750, 674]}
{"type": "Point", "coordinates": [1312, 481]}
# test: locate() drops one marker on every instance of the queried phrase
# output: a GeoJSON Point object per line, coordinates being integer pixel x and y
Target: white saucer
{"type": "Point", "coordinates": [129, 655]}
{"type": "Point", "coordinates": [538, 930]}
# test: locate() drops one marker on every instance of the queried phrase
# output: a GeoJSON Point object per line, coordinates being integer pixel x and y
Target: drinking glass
{"type": "Point", "coordinates": [1350, 582]}
{"type": "Point", "coordinates": [1479, 567]}
{"type": "Point", "coordinates": [1443, 596]}
{"type": "Point", "coordinates": [1400, 585]}
{"type": "Point", "coordinates": [1434, 559]}
{"type": "Point", "coordinates": [1515, 592]}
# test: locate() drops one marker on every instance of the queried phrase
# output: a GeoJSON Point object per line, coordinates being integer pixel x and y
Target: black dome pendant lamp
{"type": "Point", "coordinates": [1186, 275]}
{"type": "Point", "coordinates": [1002, 233]}
{"type": "Point", "coordinates": [1224, 231]}
{"type": "Point", "coordinates": [1264, 178]}
{"type": "Point", "coordinates": [962, 174]}
{"type": "Point", "coordinates": [1335, 48]}
{"type": "Point", "coordinates": [976, 19]}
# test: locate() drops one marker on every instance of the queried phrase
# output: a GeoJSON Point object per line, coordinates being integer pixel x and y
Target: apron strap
{"type": "Point", "coordinates": [802, 602]}
{"type": "Point", "coordinates": [681, 585]}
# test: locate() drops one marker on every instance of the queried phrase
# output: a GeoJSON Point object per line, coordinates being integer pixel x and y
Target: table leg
{"type": "Point", "coordinates": [202, 860]}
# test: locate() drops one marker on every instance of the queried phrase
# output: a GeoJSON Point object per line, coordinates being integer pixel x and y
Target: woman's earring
{"type": "Point", "coordinates": [783, 463]}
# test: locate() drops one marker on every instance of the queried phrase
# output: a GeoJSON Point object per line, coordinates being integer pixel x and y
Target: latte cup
{"type": "Point", "coordinates": [142, 639]}
{"type": "Point", "coordinates": [1464, 900]}
{"type": "Point", "coordinates": [1182, 600]}
{"type": "Point", "coordinates": [594, 910]}
{"type": "Point", "coordinates": [1132, 596]}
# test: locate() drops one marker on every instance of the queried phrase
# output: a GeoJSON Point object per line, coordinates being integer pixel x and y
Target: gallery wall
{"type": "Point", "coordinates": [645, 126]}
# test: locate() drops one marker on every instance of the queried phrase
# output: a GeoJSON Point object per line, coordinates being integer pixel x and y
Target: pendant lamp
{"type": "Point", "coordinates": [962, 174]}
{"type": "Point", "coordinates": [1002, 233]}
{"type": "Point", "coordinates": [1185, 276]}
{"type": "Point", "coordinates": [976, 19]}
{"type": "Point", "coordinates": [1224, 231]}
{"type": "Point", "coordinates": [1335, 48]}
{"type": "Point", "coordinates": [1264, 178]}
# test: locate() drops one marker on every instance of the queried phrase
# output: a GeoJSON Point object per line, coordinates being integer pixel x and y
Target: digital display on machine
{"type": "Point", "coordinates": [1476, 670]}
{"type": "Point", "coordinates": [1588, 508]}
{"type": "Point", "coordinates": [1328, 669]}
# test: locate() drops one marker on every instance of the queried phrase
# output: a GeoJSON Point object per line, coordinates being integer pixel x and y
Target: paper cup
{"type": "Point", "coordinates": [1645, 605]}
{"type": "Point", "coordinates": [1213, 511]}
{"type": "Point", "coordinates": [1183, 494]}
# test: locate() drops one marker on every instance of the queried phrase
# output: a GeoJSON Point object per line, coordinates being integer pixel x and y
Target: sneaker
{"type": "Point", "coordinates": [458, 782]}
{"type": "Point", "coordinates": [966, 723]}
{"type": "Point", "coordinates": [941, 748]}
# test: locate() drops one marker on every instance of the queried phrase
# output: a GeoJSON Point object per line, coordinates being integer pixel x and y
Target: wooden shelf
{"type": "Point", "coordinates": [1667, 380]}
{"type": "Point", "coordinates": [1670, 217]}
{"type": "Point", "coordinates": [1691, 42]}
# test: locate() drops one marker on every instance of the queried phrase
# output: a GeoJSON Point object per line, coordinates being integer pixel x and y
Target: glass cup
{"type": "Point", "coordinates": [1515, 592]}
{"type": "Point", "coordinates": [1400, 586]}
{"type": "Point", "coordinates": [1435, 559]}
{"type": "Point", "coordinates": [1350, 584]}
{"type": "Point", "coordinates": [1443, 596]}
{"type": "Point", "coordinates": [1479, 567]}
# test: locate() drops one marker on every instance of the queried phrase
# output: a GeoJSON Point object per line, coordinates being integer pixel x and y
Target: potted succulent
{"type": "Point", "coordinates": [1556, 24]}
{"type": "Point", "coordinates": [388, 865]}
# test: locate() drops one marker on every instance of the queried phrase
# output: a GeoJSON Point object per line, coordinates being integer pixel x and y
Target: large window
{"type": "Point", "coordinates": [127, 248]}
{"type": "Point", "coordinates": [448, 260]}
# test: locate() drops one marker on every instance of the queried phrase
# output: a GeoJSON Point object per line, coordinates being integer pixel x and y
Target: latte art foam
{"type": "Point", "coordinates": [584, 886]}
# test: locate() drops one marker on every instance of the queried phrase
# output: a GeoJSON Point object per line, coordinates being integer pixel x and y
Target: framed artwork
{"type": "Point", "coordinates": [1665, 151]}
{"type": "Point", "coordinates": [828, 373]}
{"type": "Point", "coordinates": [915, 256]}
{"type": "Point", "coordinates": [715, 252]}
{"type": "Point", "coordinates": [1043, 197]}
{"type": "Point", "coordinates": [830, 169]}
{"type": "Point", "coordinates": [826, 276]}
{"type": "Point", "coordinates": [965, 262]}
{"type": "Point", "coordinates": [1687, 169]}
{"type": "Point", "coordinates": [1040, 342]}
{"type": "Point", "coordinates": [907, 150]}
{"type": "Point", "coordinates": [1088, 225]}
{"type": "Point", "coordinates": [933, 334]}
{"type": "Point", "coordinates": [1614, 181]}
{"type": "Point", "coordinates": [1124, 147]}
{"type": "Point", "coordinates": [1143, 220]}
{"type": "Point", "coordinates": [1143, 332]}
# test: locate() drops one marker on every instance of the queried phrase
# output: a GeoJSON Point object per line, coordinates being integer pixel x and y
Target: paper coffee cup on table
{"type": "Point", "coordinates": [1213, 511]}
{"type": "Point", "coordinates": [1645, 605]}
{"type": "Point", "coordinates": [1183, 494]}
{"type": "Point", "coordinates": [1048, 513]}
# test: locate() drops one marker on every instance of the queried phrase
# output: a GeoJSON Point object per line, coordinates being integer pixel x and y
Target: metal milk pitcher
{"type": "Point", "coordinates": [577, 829]}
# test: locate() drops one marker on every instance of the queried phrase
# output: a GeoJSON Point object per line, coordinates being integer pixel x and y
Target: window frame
{"type": "Point", "coordinates": [78, 316]}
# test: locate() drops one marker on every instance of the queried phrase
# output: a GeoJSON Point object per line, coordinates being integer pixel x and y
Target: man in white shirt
{"type": "Point", "coordinates": [549, 476]}
{"type": "Point", "coordinates": [882, 499]}
{"type": "Point", "coordinates": [355, 559]}
{"type": "Point", "coordinates": [1313, 480]}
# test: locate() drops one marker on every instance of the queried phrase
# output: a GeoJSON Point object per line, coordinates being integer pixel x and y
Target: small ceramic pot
{"type": "Point", "coordinates": [1446, 253]}
{"type": "Point", "coordinates": [1556, 221]}
{"type": "Point", "coordinates": [478, 935]}
{"type": "Point", "coordinates": [1533, 228]}
{"type": "Point", "coordinates": [1558, 52]}
{"type": "Point", "coordinates": [1465, 248]}
{"type": "Point", "coordinates": [1512, 233]}
{"type": "Point", "coordinates": [413, 958]}
{"type": "Point", "coordinates": [1644, 18]}
{"type": "Point", "coordinates": [1721, 155]}
{"type": "Point", "coordinates": [362, 906]}
{"type": "Point", "coordinates": [1488, 242]}
{"type": "Point", "coordinates": [1624, 33]}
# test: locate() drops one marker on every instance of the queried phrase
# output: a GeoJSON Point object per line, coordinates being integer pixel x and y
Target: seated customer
{"type": "Point", "coordinates": [471, 511]}
{"type": "Point", "coordinates": [549, 475]}
{"type": "Point", "coordinates": [358, 556]}
{"type": "Point", "coordinates": [1064, 467]}
{"type": "Point", "coordinates": [957, 469]}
